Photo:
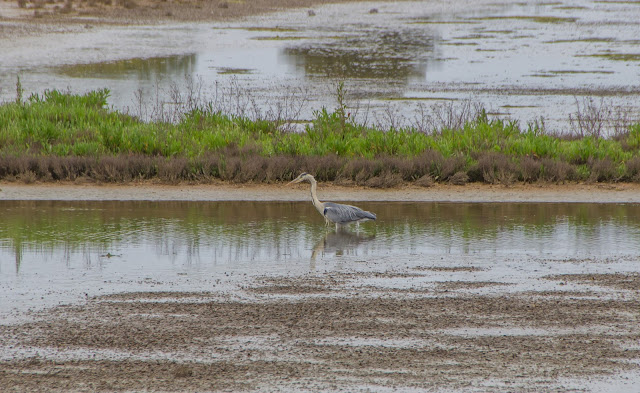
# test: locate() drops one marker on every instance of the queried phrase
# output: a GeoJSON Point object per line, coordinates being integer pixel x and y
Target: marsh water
{"type": "Point", "coordinates": [56, 252]}
{"type": "Point", "coordinates": [522, 60]}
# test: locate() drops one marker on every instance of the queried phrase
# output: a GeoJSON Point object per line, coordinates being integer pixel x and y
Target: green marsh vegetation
{"type": "Point", "coordinates": [64, 136]}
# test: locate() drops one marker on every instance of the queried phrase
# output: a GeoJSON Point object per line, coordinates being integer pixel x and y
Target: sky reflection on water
{"type": "Point", "coordinates": [57, 252]}
{"type": "Point", "coordinates": [52, 234]}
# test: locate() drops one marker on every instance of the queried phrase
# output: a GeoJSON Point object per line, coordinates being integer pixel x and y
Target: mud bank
{"type": "Point", "coordinates": [595, 193]}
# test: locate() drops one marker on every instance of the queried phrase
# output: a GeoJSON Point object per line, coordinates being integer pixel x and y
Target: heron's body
{"type": "Point", "coordinates": [336, 213]}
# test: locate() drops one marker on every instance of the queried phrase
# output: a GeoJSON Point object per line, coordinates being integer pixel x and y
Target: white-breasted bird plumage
{"type": "Point", "coordinates": [336, 213]}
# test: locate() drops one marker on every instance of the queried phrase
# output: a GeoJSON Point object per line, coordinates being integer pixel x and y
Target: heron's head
{"type": "Point", "coordinates": [304, 176]}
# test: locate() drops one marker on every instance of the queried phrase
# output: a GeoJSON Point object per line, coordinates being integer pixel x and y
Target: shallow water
{"type": "Point", "coordinates": [524, 60]}
{"type": "Point", "coordinates": [56, 252]}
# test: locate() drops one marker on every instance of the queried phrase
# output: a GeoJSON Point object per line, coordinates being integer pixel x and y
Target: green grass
{"type": "Point", "coordinates": [65, 125]}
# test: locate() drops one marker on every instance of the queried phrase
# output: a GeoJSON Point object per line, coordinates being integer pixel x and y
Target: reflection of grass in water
{"type": "Point", "coordinates": [629, 2]}
{"type": "Point", "coordinates": [417, 99]}
{"type": "Point", "coordinates": [592, 39]}
{"type": "Point", "coordinates": [580, 72]}
{"type": "Point", "coordinates": [381, 54]}
{"type": "Point", "coordinates": [460, 43]}
{"type": "Point", "coordinates": [98, 229]}
{"type": "Point", "coordinates": [238, 71]}
{"type": "Point", "coordinates": [542, 75]}
{"type": "Point", "coordinates": [279, 38]}
{"type": "Point", "coordinates": [499, 31]}
{"type": "Point", "coordinates": [570, 7]}
{"type": "Point", "coordinates": [146, 68]}
{"type": "Point", "coordinates": [95, 228]}
{"type": "Point", "coordinates": [443, 22]}
{"type": "Point", "coordinates": [272, 29]}
{"type": "Point", "coordinates": [474, 37]}
{"type": "Point", "coordinates": [537, 19]}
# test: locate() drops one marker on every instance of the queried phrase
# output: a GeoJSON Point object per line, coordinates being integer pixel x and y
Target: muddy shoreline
{"type": "Point", "coordinates": [584, 193]}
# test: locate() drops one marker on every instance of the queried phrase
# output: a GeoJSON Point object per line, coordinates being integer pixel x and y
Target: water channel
{"type": "Point", "coordinates": [57, 252]}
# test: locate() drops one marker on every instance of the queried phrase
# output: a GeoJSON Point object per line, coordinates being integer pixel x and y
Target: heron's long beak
{"type": "Point", "coordinates": [294, 181]}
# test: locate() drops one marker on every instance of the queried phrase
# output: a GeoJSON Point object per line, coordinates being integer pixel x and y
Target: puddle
{"type": "Point", "coordinates": [531, 58]}
{"type": "Point", "coordinates": [54, 252]}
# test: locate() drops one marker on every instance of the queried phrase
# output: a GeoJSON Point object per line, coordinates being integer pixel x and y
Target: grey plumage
{"type": "Point", "coordinates": [346, 214]}
{"type": "Point", "coordinates": [336, 213]}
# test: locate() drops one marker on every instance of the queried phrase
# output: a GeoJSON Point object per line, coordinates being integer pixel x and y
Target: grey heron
{"type": "Point", "coordinates": [336, 213]}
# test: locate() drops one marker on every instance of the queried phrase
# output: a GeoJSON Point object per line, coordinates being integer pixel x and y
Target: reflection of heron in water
{"type": "Point", "coordinates": [340, 242]}
{"type": "Point", "coordinates": [336, 213]}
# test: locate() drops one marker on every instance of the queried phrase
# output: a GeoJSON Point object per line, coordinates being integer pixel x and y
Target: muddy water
{"type": "Point", "coordinates": [59, 252]}
{"type": "Point", "coordinates": [523, 60]}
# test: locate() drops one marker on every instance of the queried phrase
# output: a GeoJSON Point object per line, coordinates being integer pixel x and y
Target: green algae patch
{"type": "Point", "coordinates": [537, 19]}
{"type": "Point", "coordinates": [279, 38]}
{"type": "Point", "coordinates": [234, 71]}
{"type": "Point", "coordinates": [615, 56]}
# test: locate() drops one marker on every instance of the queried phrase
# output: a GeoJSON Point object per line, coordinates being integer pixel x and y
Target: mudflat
{"type": "Point", "coordinates": [330, 332]}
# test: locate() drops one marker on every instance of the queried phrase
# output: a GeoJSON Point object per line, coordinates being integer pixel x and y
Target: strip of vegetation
{"type": "Point", "coordinates": [62, 136]}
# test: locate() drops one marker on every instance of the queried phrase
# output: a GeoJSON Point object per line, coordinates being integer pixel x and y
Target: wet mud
{"type": "Point", "coordinates": [329, 331]}
{"type": "Point", "coordinates": [221, 191]}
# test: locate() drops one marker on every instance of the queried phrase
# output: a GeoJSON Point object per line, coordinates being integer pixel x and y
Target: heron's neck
{"type": "Point", "coordinates": [314, 197]}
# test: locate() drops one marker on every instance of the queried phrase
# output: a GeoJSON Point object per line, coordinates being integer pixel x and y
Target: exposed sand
{"type": "Point", "coordinates": [594, 193]}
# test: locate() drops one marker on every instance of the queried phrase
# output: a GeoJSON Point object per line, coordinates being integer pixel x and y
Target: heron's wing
{"type": "Point", "coordinates": [342, 214]}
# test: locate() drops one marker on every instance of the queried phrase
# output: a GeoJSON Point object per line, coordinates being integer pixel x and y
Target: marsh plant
{"type": "Point", "coordinates": [66, 136]}
{"type": "Point", "coordinates": [172, 104]}
{"type": "Point", "coordinates": [600, 119]}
